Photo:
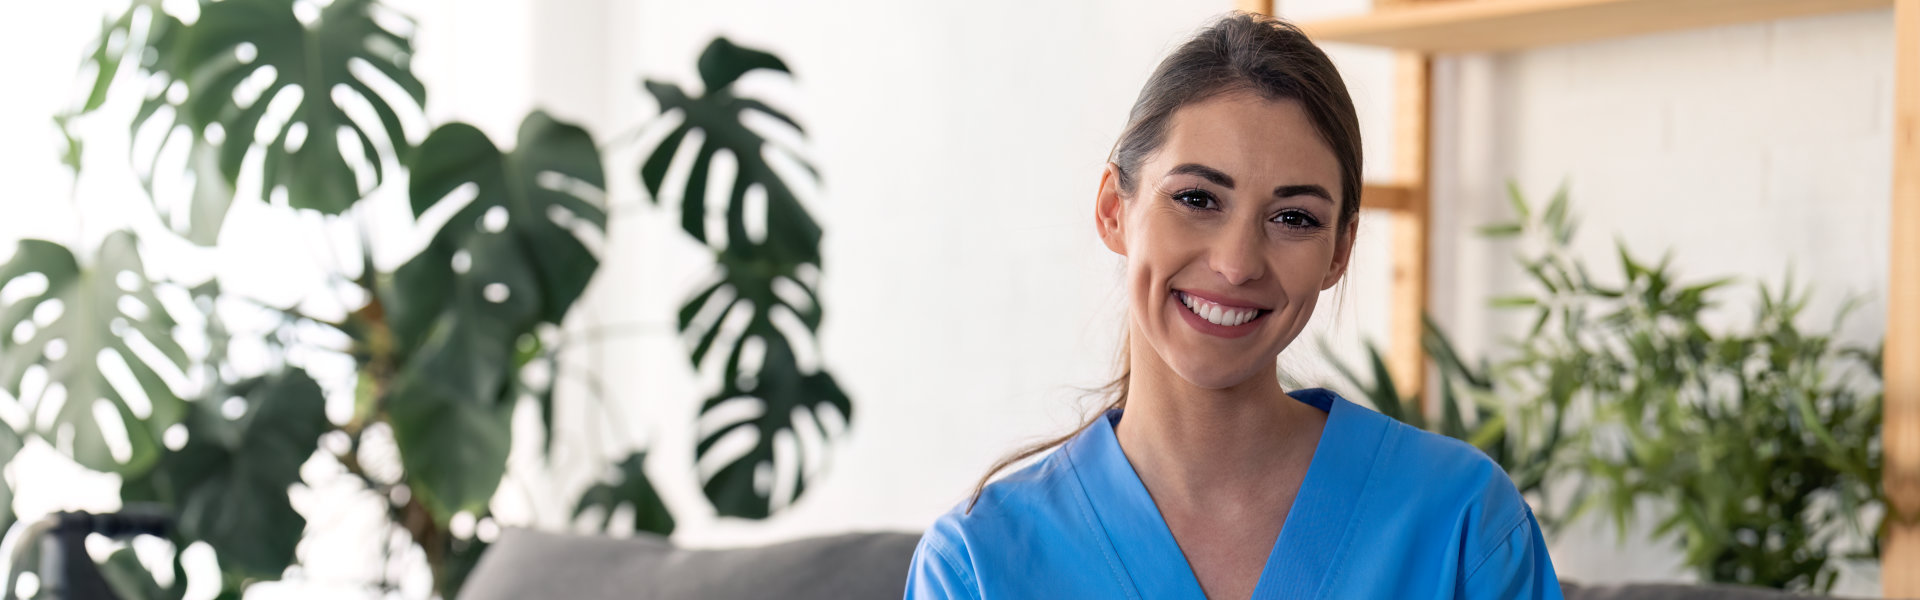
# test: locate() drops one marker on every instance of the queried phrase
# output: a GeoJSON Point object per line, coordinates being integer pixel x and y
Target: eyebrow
{"type": "Point", "coordinates": [1224, 180]}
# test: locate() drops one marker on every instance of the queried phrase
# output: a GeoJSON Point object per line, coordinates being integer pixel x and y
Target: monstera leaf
{"type": "Point", "coordinates": [145, 36]}
{"type": "Point", "coordinates": [792, 235]}
{"type": "Point", "coordinates": [241, 57]}
{"type": "Point", "coordinates": [9, 446]}
{"type": "Point", "coordinates": [761, 278]}
{"type": "Point", "coordinates": [229, 482]}
{"type": "Point", "coordinates": [130, 580]}
{"type": "Point", "coordinates": [504, 263]}
{"type": "Point", "coordinates": [80, 318]}
{"type": "Point", "coordinates": [630, 488]}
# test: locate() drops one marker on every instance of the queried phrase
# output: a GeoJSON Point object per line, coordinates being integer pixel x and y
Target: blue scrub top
{"type": "Point", "coordinates": [1385, 511]}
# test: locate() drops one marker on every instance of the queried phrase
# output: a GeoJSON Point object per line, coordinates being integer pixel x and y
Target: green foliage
{"type": "Point", "coordinates": [9, 445]}
{"type": "Point", "coordinates": [447, 345]}
{"type": "Point", "coordinates": [82, 313]}
{"type": "Point", "coordinates": [1526, 441]}
{"type": "Point", "coordinates": [628, 488]}
{"type": "Point", "coordinates": [460, 308]}
{"type": "Point", "coordinates": [237, 43]}
{"type": "Point", "coordinates": [763, 277]}
{"type": "Point", "coordinates": [229, 482]}
{"type": "Point", "coordinates": [1755, 445]}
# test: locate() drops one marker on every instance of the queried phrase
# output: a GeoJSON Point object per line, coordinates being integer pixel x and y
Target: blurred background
{"type": "Point", "coordinates": [344, 352]}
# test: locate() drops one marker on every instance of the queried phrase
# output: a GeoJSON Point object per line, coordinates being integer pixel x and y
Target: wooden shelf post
{"type": "Point", "coordinates": [1412, 130]}
{"type": "Point", "coordinates": [1900, 433]}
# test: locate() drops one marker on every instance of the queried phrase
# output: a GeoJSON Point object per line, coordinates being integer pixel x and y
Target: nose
{"type": "Point", "coordinates": [1237, 253]}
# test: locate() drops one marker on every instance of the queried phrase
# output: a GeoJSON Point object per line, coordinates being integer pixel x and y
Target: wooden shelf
{"type": "Point", "coordinates": [1482, 25]}
{"type": "Point", "coordinates": [1386, 196]}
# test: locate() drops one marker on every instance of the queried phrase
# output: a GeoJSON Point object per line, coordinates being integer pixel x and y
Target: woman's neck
{"type": "Point", "coordinates": [1190, 444]}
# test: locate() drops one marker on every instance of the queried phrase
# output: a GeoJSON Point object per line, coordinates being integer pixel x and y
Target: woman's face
{"type": "Point", "coordinates": [1229, 237]}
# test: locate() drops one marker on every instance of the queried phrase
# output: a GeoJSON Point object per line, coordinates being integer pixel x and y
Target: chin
{"type": "Point", "coordinates": [1215, 376]}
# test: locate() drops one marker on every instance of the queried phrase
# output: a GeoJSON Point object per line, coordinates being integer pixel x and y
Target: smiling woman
{"type": "Point", "coordinates": [1233, 197]}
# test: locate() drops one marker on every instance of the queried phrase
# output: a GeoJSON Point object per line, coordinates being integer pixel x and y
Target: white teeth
{"type": "Point", "coordinates": [1216, 314]}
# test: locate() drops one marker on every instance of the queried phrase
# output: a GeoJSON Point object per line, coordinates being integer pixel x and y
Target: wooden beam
{"type": "Point", "coordinates": [1264, 7]}
{"type": "Point", "coordinates": [1386, 196]}
{"type": "Point", "coordinates": [1479, 25]}
{"type": "Point", "coordinates": [1900, 433]}
{"type": "Point", "coordinates": [1406, 360]}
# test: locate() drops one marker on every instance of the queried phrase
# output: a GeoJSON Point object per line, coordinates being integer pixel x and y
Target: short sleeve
{"type": "Point", "coordinates": [1516, 567]}
{"type": "Point", "coordinates": [937, 573]}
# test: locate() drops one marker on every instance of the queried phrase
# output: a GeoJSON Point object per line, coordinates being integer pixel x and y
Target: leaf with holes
{"type": "Point", "coordinates": [81, 318]}
{"type": "Point", "coordinates": [9, 446]}
{"type": "Point", "coordinates": [785, 396]}
{"type": "Point", "coordinates": [242, 57]}
{"type": "Point", "coordinates": [629, 488]}
{"type": "Point", "coordinates": [146, 36]}
{"type": "Point", "coordinates": [508, 260]}
{"type": "Point", "coordinates": [791, 234]}
{"type": "Point", "coordinates": [532, 203]}
{"type": "Point", "coordinates": [766, 278]}
{"type": "Point", "coordinates": [229, 482]}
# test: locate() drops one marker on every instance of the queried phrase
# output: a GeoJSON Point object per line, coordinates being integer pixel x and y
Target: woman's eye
{"type": "Point", "coordinates": [1195, 199]}
{"type": "Point", "coordinates": [1297, 219]}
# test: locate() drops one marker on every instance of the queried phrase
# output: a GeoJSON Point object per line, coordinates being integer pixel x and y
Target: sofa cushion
{"type": "Point", "coordinates": [1673, 591]}
{"type": "Point", "coordinates": [531, 564]}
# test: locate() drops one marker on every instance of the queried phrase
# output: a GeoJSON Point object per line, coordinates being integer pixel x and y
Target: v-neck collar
{"type": "Point", "coordinates": [1311, 540]}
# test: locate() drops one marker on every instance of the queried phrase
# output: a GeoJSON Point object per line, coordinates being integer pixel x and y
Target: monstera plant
{"type": "Point", "coordinates": [309, 104]}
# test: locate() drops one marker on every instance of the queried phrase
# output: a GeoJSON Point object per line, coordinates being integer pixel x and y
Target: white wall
{"type": "Point", "coordinates": [966, 295]}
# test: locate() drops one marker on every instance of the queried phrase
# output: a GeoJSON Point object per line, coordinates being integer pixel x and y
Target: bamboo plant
{"type": "Point", "coordinates": [1752, 447]}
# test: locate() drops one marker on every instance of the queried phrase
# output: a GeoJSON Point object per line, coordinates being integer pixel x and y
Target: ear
{"type": "Point", "coordinates": [1342, 251]}
{"type": "Point", "coordinates": [1109, 211]}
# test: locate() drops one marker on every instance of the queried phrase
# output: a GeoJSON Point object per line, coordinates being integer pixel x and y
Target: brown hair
{"type": "Point", "coordinates": [1237, 52]}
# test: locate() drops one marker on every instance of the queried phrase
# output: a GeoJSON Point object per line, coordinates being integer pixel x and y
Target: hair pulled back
{"type": "Point", "coordinates": [1239, 52]}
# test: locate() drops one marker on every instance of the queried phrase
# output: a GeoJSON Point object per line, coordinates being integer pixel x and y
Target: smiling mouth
{"type": "Point", "coordinates": [1216, 314]}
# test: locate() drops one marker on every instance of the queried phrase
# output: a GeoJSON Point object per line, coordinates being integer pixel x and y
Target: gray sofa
{"type": "Point", "coordinates": [528, 564]}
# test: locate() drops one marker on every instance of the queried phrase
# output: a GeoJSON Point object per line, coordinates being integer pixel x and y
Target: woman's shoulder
{"type": "Point", "coordinates": [1041, 490]}
{"type": "Point", "coordinates": [1443, 476]}
{"type": "Point", "coordinates": [1034, 515]}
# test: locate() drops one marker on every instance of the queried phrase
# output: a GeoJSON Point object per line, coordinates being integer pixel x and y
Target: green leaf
{"type": "Point", "coordinates": [791, 235]}
{"type": "Point", "coordinates": [1513, 302]}
{"type": "Point", "coordinates": [99, 309]}
{"type": "Point", "coordinates": [229, 482]}
{"type": "Point", "coordinates": [1500, 230]}
{"type": "Point", "coordinates": [1518, 201]}
{"type": "Point", "coordinates": [526, 205]}
{"type": "Point", "coordinates": [10, 444]}
{"type": "Point", "coordinates": [628, 487]}
{"type": "Point", "coordinates": [316, 61]}
{"type": "Point", "coordinates": [199, 215]}
{"type": "Point", "coordinates": [723, 62]}
{"type": "Point", "coordinates": [781, 389]}
{"type": "Point", "coordinates": [763, 276]}
{"type": "Point", "coordinates": [1555, 217]}
{"type": "Point", "coordinates": [505, 262]}
{"type": "Point", "coordinates": [454, 449]}
{"type": "Point", "coordinates": [129, 579]}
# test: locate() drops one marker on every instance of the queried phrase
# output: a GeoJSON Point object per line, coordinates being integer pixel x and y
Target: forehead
{"type": "Point", "coordinates": [1267, 142]}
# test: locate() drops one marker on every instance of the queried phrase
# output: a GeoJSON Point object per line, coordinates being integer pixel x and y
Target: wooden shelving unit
{"type": "Point", "coordinates": [1420, 28]}
{"type": "Point", "coordinates": [1480, 25]}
